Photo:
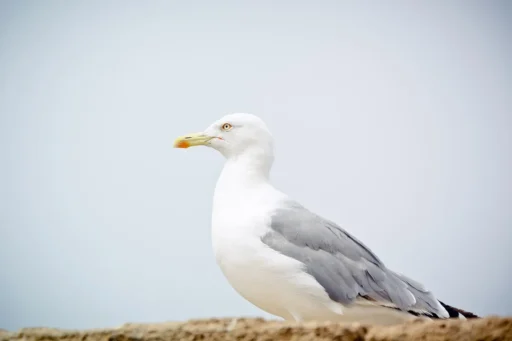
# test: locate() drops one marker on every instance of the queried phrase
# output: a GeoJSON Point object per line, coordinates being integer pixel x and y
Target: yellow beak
{"type": "Point", "coordinates": [192, 140]}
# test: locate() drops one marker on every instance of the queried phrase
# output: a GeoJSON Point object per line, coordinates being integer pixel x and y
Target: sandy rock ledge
{"type": "Point", "coordinates": [490, 328]}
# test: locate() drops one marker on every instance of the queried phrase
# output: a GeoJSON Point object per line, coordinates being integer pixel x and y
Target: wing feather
{"type": "Point", "coordinates": [343, 265]}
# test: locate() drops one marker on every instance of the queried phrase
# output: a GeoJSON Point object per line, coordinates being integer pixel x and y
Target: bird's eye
{"type": "Point", "coordinates": [226, 127]}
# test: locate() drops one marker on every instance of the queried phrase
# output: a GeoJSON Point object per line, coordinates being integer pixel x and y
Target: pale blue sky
{"type": "Point", "coordinates": [392, 119]}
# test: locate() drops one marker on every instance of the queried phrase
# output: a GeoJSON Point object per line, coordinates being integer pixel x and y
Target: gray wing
{"type": "Point", "coordinates": [344, 266]}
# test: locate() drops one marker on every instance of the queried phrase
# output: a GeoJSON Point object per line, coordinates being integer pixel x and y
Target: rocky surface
{"type": "Point", "coordinates": [490, 328]}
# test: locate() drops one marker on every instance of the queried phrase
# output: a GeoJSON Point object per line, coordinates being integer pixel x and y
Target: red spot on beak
{"type": "Point", "coordinates": [183, 144]}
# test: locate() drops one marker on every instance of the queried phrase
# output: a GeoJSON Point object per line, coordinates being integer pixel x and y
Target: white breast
{"type": "Point", "coordinates": [238, 223]}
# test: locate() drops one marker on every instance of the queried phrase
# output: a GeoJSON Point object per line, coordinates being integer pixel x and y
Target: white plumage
{"type": "Point", "coordinates": [287, 260]}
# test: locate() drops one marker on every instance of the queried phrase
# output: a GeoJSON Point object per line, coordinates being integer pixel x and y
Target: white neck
{"type": "Point", "coordinates": [242, 196]}
{"type": "Point", "coordinates": [248, 169]}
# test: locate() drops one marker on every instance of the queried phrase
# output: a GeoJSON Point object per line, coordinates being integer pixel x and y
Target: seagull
{"type": "Point", "coordinates": [287, 260]}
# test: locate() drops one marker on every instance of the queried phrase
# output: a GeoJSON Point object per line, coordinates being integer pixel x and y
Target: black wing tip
{"type": "Point", "coordinates": [456, 312]}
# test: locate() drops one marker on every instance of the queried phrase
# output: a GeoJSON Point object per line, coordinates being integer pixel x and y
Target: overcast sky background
{"type": "Point", "coordinates": [394, 120]}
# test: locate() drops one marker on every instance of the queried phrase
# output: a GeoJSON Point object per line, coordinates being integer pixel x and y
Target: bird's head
{"type": "Point", "coordinates": [233, 135]}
